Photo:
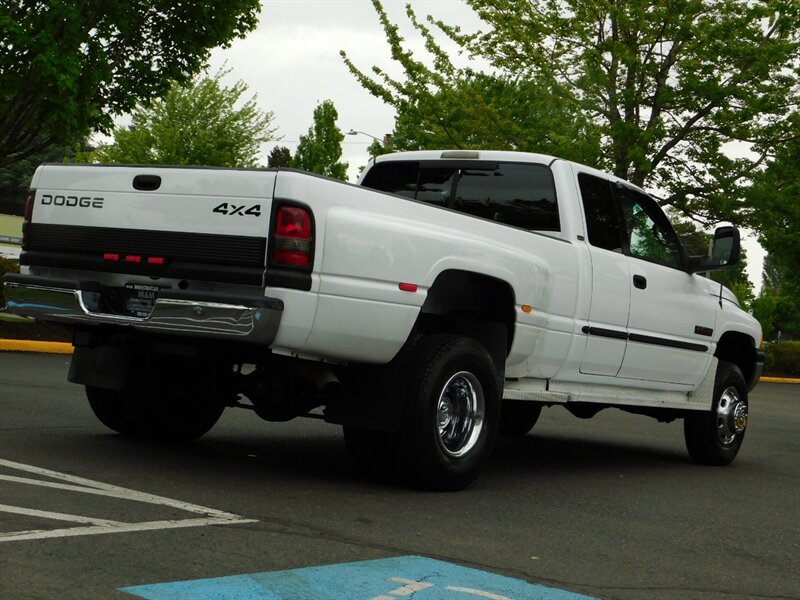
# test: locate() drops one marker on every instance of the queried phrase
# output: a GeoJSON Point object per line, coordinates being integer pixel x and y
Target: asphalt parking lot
{"type": "Point", "coordinates": [608, 507]}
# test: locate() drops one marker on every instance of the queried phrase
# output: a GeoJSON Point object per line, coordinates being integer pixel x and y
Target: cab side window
{"type": "Point", "coordinates": [602, 217]}
{"type": "Point", "coordinates": [650, 236]}
{"type": "Point", "coordinates": [622, 219]}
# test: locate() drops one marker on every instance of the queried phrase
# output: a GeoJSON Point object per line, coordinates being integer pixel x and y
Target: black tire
{"type": "Point", "coordinates": [174, 411]}
{"type": "Point", "coordinates": [110, 408]}
{"type": "Point", "coordinates": [715, 437]}
{"type": "Point", "coordinates": [169, 404]}
{"type": "Point", "coordinates": [451, 418]}
{"type": "Point", "coordinates": [518, 417]}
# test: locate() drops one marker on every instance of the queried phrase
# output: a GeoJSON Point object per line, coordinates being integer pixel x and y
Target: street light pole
{"type": "Point", "coordinates": [386, 142]}
{"type": "Point", "coordinates": [354, 132]}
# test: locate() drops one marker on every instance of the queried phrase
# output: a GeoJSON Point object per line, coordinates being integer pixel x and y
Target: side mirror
{"type": "Point", "coordinates": [724, 252]}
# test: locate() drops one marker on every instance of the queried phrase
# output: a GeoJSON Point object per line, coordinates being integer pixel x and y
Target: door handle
{"type": "Point", "coordinates": [639, 281]}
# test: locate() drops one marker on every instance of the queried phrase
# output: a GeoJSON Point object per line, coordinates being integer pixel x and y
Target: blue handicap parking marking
{"type": "Point", "coordinates": [383, 579]}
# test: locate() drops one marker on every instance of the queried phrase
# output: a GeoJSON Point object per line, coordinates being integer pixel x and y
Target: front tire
{"type": "Point", "coordinates": [715, 437]}
{"type": "Point", "coordinates": [452, 415]}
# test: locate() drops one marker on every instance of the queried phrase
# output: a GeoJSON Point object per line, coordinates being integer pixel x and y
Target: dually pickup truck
{"type": "Point", "coordinates": [446, 298]}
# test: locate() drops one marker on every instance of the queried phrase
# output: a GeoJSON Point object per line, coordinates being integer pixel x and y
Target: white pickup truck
{"type": "Point", "coordinates": [446, 298]}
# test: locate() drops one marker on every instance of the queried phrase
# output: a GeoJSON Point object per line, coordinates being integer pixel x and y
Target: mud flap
{"type": "Point", "coordinates": [374, 398]}
{"type": "Point", "coordinates": [103, 367]}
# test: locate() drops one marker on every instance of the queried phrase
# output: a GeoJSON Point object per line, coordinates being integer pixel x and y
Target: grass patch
{"type": "Point", "coordinates": [10, 226]}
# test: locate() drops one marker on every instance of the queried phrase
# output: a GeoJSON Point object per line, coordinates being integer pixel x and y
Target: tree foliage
{"type": "Point", "coordinates": [279, 156]}
{"type": "Point", "coordinates": [67, 67]}
{"type": "Point", "coordinates": [654, 92]}
{"type": "Point", "coordinates": [778, 305]}
{"type": "Point", "coordinates": [201, 123]}
{"type": "Point", "coordinates": [15, 179]}
{"type": "Point", "coordinates": [775, 200]}
{"type": "Point", "coordinates": [320, 149]}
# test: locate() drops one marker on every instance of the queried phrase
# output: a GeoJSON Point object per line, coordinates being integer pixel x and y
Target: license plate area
{"type": "Point", "coordinates": [139, 299]}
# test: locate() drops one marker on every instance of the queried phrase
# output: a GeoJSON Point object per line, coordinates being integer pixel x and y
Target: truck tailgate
{"type": "Point", "coordinates": [175, 222]}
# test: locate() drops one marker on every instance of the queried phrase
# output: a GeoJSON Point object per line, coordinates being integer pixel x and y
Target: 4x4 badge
{"type": "Point", "coordinates": [233, 209]}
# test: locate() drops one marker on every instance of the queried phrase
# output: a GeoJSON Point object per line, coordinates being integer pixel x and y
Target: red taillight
{"type": "Point", "coordinates": [293, 222]}
{"type": "Point", "coordinates": [292, 237]}
{"type": "Point", "coordinates": [27, 216]}
{"type": "Point", "coordinates": [112, 256]}
{"type": "Point", "coordinates": [155, 260]}
{"type": "Point", "coordinates": [29, 207]}
{"type": "Point", "coordinates": [133, 258]}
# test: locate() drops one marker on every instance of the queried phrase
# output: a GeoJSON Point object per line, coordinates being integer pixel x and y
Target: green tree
{"type": "Point", "coordinates": [659, 89]}
{"type": "Point", "coordinates": [67, 67]}
{"type": "Point", "coordinates": [15, 179]}
{"type": "Point", "coordinates": [778, 305]}
{"type": "Point", "coordinates": [695, 241]}
{"type": "Point", "coordinates": [377, 147]}
{"type": "Point", "coordinates": [200, 123]}
{"type": "Point", "coordinates": [774, 200]}
{"type": "Point", "coordinates": [779, 315]}
{"type": "Point", "coordinates": [279, 156]}
{"type": "Point", "coordinates": [320, 149]}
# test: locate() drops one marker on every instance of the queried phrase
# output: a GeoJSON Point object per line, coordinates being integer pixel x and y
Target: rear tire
{"type": "Point", "coordinates": [174, 403]}
{"type": "Point", "coordinates": [175, 409]}
{"type": "Point", "coordinates": [451, 418]}
{"type": "Point", "coordinates": [109, 408]}
{"type": "Point", "coordinates": [715, 437]}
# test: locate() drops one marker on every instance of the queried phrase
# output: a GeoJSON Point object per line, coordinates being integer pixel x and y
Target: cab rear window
{"type": "Point", "coordinates": [518, 194]}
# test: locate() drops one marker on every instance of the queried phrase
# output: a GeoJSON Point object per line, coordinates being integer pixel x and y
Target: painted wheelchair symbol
{"type": "Point", "coordinates": [411, 587]}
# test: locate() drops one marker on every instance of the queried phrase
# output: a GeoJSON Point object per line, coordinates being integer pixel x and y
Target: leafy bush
{"type": "Point", "coordinates": [783, 358]}
{"type": "Point", "coordinates": [6, 266]}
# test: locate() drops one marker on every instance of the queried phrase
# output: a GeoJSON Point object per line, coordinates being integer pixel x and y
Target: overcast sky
{"type": "Point", "coordinates": [292, 63]}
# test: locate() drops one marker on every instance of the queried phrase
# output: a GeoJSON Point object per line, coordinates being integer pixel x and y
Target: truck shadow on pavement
{"type": "Point", "coordinates": [551, 453]}
{"type": "Point", "coordinates": [317, 455]}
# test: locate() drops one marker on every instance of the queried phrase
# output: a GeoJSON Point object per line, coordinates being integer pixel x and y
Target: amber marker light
{"type": "Point", "coordinates": [526, 308]}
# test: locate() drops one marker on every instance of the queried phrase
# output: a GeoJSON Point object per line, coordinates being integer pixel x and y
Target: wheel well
{"type": "Point", "coordinates": [470, 304]}
{"type": "Point", "coordinates": [739, 349]}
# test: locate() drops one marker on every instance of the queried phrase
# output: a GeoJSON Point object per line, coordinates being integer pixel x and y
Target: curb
{"type": "Point", "coordinates": [31, 346]}
{"type": "Point", "coordinates": [66, 348]}
{"type": "Point", "coordinates": [779, 380]}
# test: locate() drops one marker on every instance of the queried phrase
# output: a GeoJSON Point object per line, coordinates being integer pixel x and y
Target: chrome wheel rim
{"type": "Point", "coordinates": [731, 416]}
{"type": "Point", "coordinates": [460, 414]}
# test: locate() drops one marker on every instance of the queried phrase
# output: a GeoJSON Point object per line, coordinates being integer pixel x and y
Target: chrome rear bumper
{"type": "Point", "coordinates": [177, 312]}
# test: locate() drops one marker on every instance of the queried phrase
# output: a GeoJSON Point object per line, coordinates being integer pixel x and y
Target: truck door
{"type": "Point", "coordinates": [611, 280]}
{"type": "Point", "coordinates": [672, 316]}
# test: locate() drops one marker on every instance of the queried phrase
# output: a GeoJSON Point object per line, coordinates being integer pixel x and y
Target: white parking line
{"type": "Point", "coordinates": [46, 514]}
{"type": "Point", "coordinates": [481, 593]}
{"type": "Point", "coordinates": [96, 525]}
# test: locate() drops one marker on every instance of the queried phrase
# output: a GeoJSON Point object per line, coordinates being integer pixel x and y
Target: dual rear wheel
{"type": "Point", "coordinates": [450, 418]}
{"type": "Point", "coordinates": [176, 405]}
